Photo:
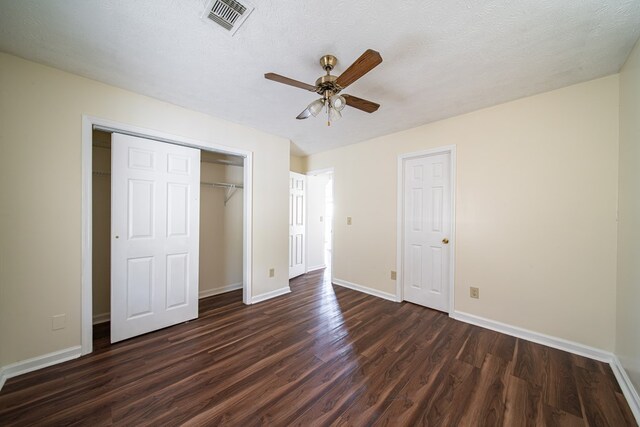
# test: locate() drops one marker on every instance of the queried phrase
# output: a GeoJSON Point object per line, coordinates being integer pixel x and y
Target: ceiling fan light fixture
{"type": "Point", "coordinates": [304, 115]}
{"type": "Point", "coordinates": [316, 107]}
{"type": "Point", "coordinates": [334, 115]}
{"type": "Point", "coordinates": [338, 102]}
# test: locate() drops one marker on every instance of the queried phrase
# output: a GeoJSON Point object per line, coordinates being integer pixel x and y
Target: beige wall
{"type": "Point", "coordinates": [220, 229]}
{"type": "Point", "coordinates": [628, 307]}
{"type": "Point", "coordinates": [40, 165]}
{"type": "Point", "coordinates": [535, 209]}
{"type": "Point", "coordinates": [297, 164]}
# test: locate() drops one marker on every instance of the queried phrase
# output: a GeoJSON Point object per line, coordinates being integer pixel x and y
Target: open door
{"type": "Point", "coordinates": [154, 235]}
{"type": "Point", "coordinates": [297, 224]}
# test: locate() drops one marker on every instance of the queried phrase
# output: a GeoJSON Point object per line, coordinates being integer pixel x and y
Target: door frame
{"type": "Point", "coordinates": [88, 124]}
{"type": "Point", "coordinates": [327, 171]}
{"type": "Point", "coordinates": [402, 158]}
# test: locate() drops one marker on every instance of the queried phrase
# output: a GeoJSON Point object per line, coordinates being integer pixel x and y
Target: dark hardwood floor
{"type": "Point", "coordinates": [322, 355]}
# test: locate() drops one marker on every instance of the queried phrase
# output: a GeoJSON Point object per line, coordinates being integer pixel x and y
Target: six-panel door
{"type": "Point", "coordinates": [427, 227]}
{"type": "Point", "coordinates": [155, 191]}
{"type": "Point", "coordinates": [297, 225]}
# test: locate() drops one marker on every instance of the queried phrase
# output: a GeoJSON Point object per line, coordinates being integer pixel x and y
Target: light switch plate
{"type": "Point", "coordinates": [348, 220]}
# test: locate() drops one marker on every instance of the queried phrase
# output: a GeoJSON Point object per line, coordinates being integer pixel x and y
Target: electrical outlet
{"type": "Point", "coordinates": [321, 219]}
{"type": "Point", "coordinates": [272, 272]}
{"type": "Point", "coordinates": [393, 275]}
{"type": "Point", "coordinates": [59, 321]}
{"type": "Point", "coordinates": [474, 292]}
{"type": "Point", "coordinates": [348, 220]}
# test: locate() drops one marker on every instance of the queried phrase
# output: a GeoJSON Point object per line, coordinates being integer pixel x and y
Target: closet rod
{"type": "Point", "coordinates": [213, 184]}
{"type": "Point", "coordinates": [231, 189]}
{"type": "Point", "coordinates": [222, 184]}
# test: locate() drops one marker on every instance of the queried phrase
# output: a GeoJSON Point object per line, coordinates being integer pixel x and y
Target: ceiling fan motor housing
{"type": "Point", "coordinates": [327, 83]}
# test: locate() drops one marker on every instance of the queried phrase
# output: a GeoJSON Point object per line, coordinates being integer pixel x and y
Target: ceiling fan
{"type": "Point", "coordinates": [329, 87]}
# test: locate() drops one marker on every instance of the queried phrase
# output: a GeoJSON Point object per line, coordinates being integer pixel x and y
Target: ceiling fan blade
{"type": "Point", "coordinates": [361, 104]}
{"type": "Point", "coordinates": [286, 80]}
{"type": "Point", "coordinates": [304, 115]}
{"type": "Point", "coordinates": [367, 61]}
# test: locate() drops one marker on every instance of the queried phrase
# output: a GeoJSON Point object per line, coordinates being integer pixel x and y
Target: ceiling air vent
{"type": "Point", "coordinates": [228, 14]}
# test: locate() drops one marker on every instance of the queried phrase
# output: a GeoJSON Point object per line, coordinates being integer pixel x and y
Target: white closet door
{"type": "Point", "coordinates": [297, 243]}
{"type": "Point", "coordinates": [427, 228]}
{"type": "Point", "coordinates": [155, 208]}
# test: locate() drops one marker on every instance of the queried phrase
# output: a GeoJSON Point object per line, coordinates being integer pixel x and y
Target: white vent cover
{"type": "Point", "coordinates": [228, 14]}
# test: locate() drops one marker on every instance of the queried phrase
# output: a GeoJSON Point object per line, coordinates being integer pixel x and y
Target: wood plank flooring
{"type": "Point", "coordinates": [322, 355]}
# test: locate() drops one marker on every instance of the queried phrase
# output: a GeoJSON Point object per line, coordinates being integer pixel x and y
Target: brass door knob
{"type": "Point", "coordinates": [445, 240]}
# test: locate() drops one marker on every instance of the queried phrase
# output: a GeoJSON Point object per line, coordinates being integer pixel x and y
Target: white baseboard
{"type": "Point", "coordinates": [221, 290]}
{"type": "Point", "coordinates": [628, 389]}
{"type": "Point", "coordinates": [317, 267]}
{"type": "Point", "coordinates": [364, 289]}
{"type": "Point", "coordinates": [269, 295]}
{"type": "Point", "coordinates": [514, 331]}
{"type": "Point", "coordinates": [101, 318]}
{"type": "Point", "coordinates": [39, 362]}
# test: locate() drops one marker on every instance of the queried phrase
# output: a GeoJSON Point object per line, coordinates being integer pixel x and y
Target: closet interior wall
{"type": "Point", "coordinates": [101, 226]}
{"type": "Point", "coordinates": [220, 229]}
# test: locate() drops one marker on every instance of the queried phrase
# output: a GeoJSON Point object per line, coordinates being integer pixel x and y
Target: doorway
{"type": "Point", "coordinates": [320, 189]}
{"type": "Point", "coordinates": [235, 191]}
{"type": "Point", "coordinates": [426, 228]}
{"type": "Point", "coordinates": [328, 223]}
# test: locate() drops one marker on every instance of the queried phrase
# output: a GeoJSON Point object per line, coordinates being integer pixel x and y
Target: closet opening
{"type": "Point", "coordinates": [221, 230]}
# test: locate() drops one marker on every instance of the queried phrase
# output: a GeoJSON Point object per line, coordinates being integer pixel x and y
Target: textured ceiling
{"type": "Point", "coordinates": [441, 58]}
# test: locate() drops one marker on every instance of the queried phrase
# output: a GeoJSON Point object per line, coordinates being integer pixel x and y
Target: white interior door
{"type": "Point", "coordinates": [427, 228]}
{"type": "Point", "coordinates": [155, 208]}
{"type": "Point", "coordinates": [296, 224]}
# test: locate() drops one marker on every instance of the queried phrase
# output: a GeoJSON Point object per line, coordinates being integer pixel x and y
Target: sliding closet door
{"type": "Point", "coordinates": [154, 235]}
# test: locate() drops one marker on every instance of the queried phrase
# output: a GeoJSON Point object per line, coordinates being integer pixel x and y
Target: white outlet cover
{"type": "Point", "coordinates": [59, 321]}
